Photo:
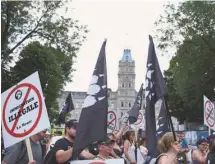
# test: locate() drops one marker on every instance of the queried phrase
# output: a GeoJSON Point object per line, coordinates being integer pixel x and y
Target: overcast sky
{"type": "Point", "coordinates": [125, 24]}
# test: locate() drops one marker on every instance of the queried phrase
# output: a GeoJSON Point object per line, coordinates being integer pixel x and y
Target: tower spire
{"type": "Point", "coordinates": [126, 57]}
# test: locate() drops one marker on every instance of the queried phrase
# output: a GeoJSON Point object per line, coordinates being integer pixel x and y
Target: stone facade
{"type": "Point", "coordinates": [120, 100]}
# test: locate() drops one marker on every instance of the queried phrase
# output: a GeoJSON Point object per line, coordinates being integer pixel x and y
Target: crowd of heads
{"type": "Point", "coordinates": [167, 143]}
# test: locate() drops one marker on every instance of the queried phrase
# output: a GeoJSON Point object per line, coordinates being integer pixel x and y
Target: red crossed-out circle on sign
{"type": "Point", "coordinates": [30, 87]}
{"type": "Point", "coordinates": [112, 121]}
{"type": "Point", "coordinates": [209, 113]}
{"type": "Point", "coordinates": [140, 119]}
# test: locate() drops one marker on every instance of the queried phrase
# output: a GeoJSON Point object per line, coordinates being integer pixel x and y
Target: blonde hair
{"type": "Point", "coordinates": [164, 144]}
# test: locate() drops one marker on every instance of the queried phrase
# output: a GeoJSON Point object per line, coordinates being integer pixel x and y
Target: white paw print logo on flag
{"type": "Point", "coordinates": [93, 95]}
{"type": "Point", "coordinates": [149, 82]}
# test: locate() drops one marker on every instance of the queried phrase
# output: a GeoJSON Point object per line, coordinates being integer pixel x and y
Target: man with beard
{"type": "Point", "coordinates": [63, 146]}
{"type": "Point", "coordinates": [62, 150]}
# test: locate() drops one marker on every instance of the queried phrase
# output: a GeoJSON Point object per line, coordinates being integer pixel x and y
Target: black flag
{"type": "Point", "coordinates": [155, 89]}
{"type": "Point", "coordinates": [162, 121]}
{"type": "Point", "coordinates": [134, 112]}
{"type": "Point", "coordinates": [67, 107]}
{"type": "Point", "coordinates": [92, 124]}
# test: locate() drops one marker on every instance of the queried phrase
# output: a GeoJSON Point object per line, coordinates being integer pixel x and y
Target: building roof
{"type": "Point", "coordinates": [126, 56]}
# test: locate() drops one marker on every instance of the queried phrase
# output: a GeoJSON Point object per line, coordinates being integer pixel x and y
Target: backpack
{"type": "Point", "coordinates": [50, 157]}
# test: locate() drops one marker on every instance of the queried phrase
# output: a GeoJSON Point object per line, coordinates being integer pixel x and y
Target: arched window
{"type": "Point", "coordinates": [123, 85]}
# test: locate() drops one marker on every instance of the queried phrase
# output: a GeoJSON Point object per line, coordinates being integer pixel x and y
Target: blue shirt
{"type": "Point", "coordinates": [184, 143]}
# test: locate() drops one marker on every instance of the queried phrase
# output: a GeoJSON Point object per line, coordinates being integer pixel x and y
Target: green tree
{"type": "Point", "coordinates": [191, 31]}
{"type": "Point", "coordinates": [24, 21]}
{"type": "Point", "coordinates": [53, 67]}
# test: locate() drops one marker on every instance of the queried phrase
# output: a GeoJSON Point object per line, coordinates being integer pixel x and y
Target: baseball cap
{"type": "Point", "coordinates": [106, 141]}
{"type": "Point", "coordinates": [71, 123]}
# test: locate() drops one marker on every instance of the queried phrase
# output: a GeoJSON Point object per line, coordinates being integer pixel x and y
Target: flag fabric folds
{"type": "Point", "coordinates": [92, 124]}
{"type": "Point", "coordinates": [162, 124]}
{"type": "Point", "coordinates": [155, 89]}
{"type": "Point", "coordinates": [134, 112]}
{"type": "Point", "coordinates": [67, 107]}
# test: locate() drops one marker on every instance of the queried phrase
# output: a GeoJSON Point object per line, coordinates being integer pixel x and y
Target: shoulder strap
{"type": "Point", "coordinates": [163, 154]}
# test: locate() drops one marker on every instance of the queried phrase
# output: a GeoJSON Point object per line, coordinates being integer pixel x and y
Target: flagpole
{"type": "Point", "coordinates": [169, 116]}
{"type": "Point", "coordinates": [168, 122]}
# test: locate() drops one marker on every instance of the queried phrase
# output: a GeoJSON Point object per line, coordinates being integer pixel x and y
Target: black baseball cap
{"type": "Point", "coordinates": [71, 123]}
{"type": "Point", "coordinates": [106, 141]}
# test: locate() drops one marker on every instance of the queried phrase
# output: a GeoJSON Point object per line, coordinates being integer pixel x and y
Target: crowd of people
{"type": "Point", "coordinates": [47, 149]}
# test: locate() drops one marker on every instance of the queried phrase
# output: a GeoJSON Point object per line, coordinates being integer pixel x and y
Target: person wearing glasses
{"type": "Point", "coordinates": [17, 153]}
{"type": "Point", "coordinates": [199, 156]}
{"type": "Point", "coordinates": [169, 149]}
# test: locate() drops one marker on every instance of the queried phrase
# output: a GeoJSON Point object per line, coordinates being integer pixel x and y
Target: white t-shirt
{"type": "Point", "coordinates": [143, 150]}
{"type": "Point", "coordinates": [144, 153]}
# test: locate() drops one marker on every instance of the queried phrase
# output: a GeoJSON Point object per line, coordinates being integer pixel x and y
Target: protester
{"type": "Point", "coordinates": [105, 148]}
{"type": "Point", "coordinates": [211, 154]}
{"type": "Point", "coordinates": [169, 149]}
{"type": "Point", "coordinates": [62, 150]}
{"type": "Point", "coordinates": [143, 149]}
{"type": "Point", "coordinates": [17, 153]}
{"type": "Point", "coordinates": [129, 147]}
{"type": "Point", "coordinates": [117, 151]}
{"type": "Point", "coordinates": [199, 156]}
{"type": "Point", "coordinates": [52, 142]}
{"type": "Point", "coordinates": [183, 154]}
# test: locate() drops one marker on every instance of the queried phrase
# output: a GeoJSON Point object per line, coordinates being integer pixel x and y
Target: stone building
{"type": "Point", "coordinates": [120, 100]}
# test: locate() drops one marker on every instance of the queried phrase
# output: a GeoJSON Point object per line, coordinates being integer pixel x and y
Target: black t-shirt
{"type": "Point", "coordinates": [63, 144]}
